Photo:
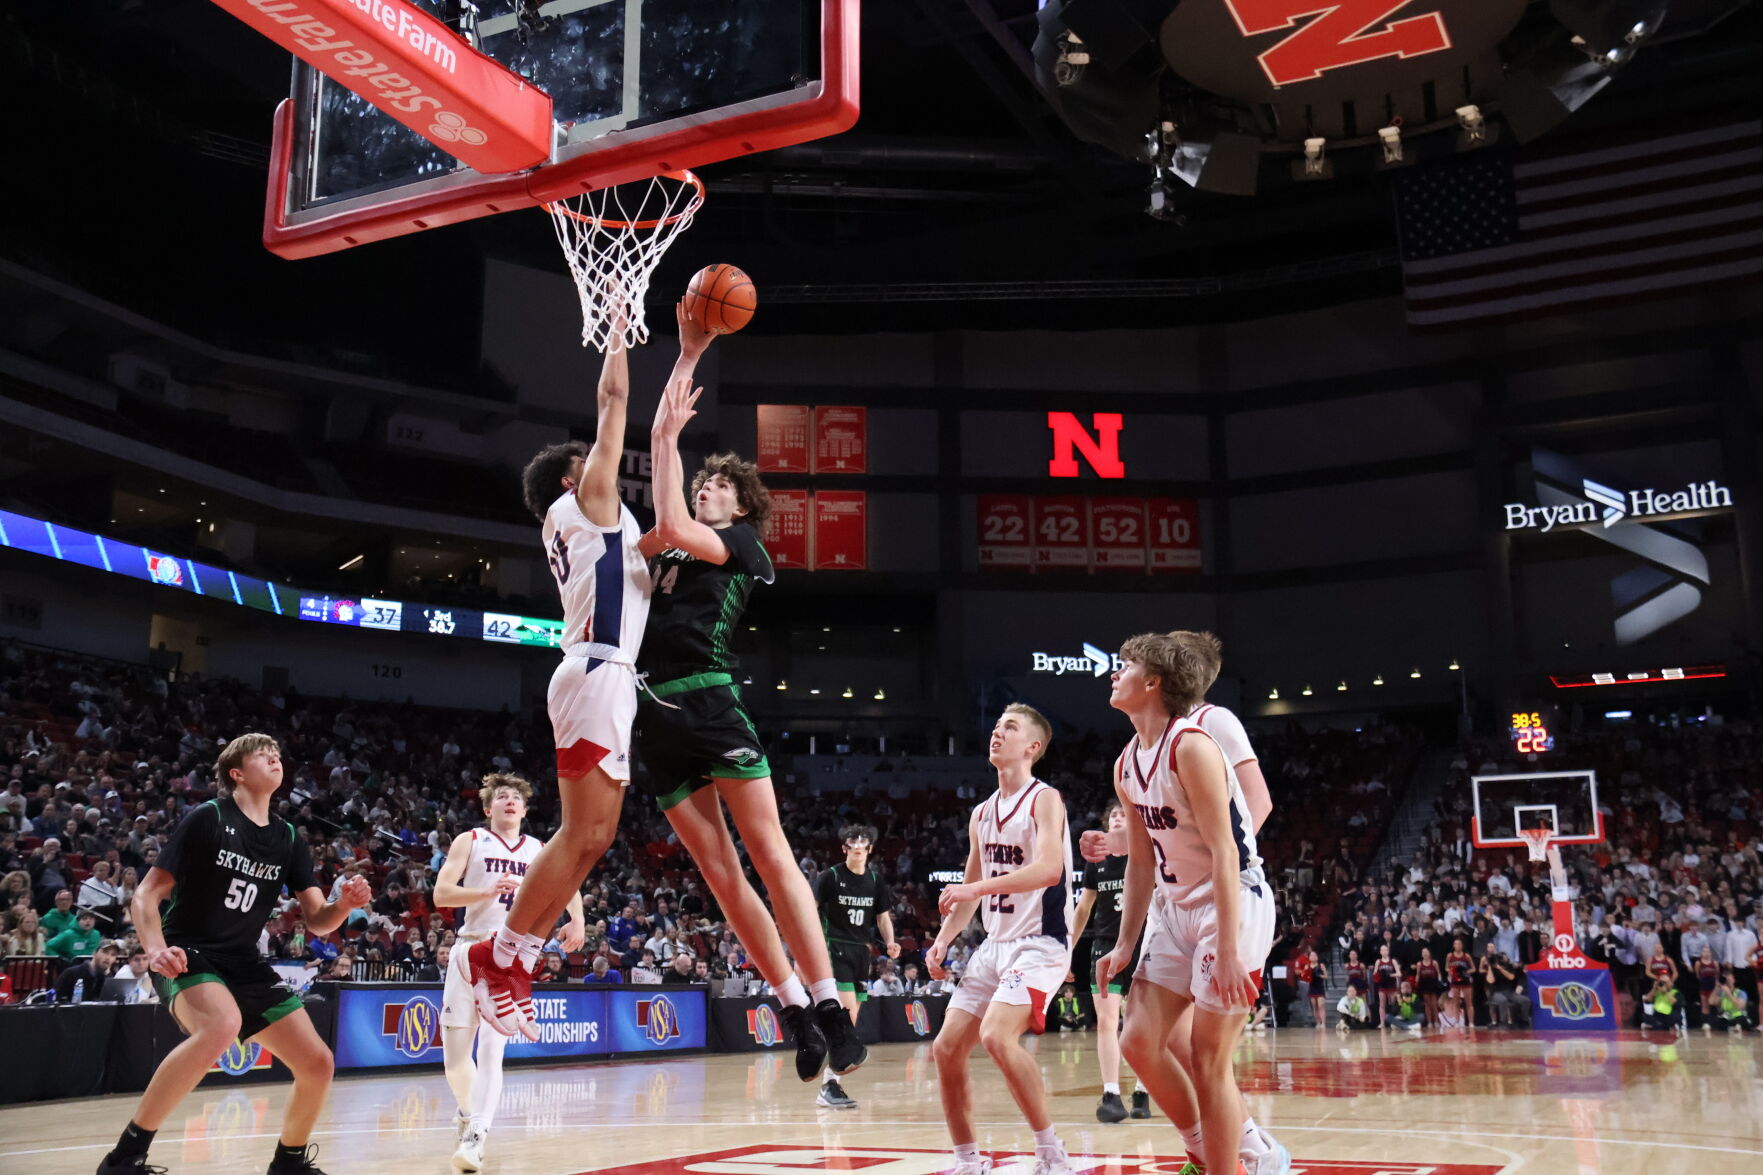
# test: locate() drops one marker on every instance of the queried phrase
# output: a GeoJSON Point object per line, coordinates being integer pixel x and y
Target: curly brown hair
{"type": "Point", "coordinates": [750, 493]}
{"type": "Point", "coordinates": [541, 480]}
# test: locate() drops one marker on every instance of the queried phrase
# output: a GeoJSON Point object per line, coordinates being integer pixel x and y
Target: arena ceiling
{"type": "Point", "coordinates": [145, 127]}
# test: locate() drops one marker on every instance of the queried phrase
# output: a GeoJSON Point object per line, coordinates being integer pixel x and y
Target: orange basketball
{"type": "Point", "coordinates": [721, 298]}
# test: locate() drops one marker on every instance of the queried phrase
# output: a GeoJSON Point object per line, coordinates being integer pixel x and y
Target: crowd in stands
{"type": "Point", "coordinates": [1672, 900]}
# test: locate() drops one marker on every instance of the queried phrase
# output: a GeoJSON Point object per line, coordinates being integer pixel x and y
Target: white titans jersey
{"type": "Point", "coordinates": [1006, 844]}
{"type": "Point", "coordinates": [1226, 730]}
{"type": "Point", "coordinates": [602, 577]}
{"type": "Point", "coordinates": [492, 859]}
{"type": "Point", "coordinates": [1184, 863]}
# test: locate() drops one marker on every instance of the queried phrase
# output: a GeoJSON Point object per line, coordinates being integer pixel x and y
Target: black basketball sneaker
{"type": "Point", "coordinates": [811, 1044]}
{"type": "Point", "coordinates": [846, 1051]}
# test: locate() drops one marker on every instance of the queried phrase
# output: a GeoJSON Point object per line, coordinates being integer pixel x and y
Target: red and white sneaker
{"type": "Point", "coordinates": [504, 995]}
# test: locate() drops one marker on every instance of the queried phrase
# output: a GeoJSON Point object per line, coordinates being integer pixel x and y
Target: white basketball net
{"type": "Point", "coordinates": [613, 238]}
{"type": "Point", "coordinates": [1537, 841]}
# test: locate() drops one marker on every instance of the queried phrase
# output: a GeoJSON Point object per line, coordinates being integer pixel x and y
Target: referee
{"type": "Point", "coordinates": [854, 903]}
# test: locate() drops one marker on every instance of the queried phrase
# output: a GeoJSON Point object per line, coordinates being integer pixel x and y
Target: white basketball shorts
{"type": "Point", "coordinates": [1182, 944]}
{"type": "Point", "coordinates": [1015, 971]}
{"type": "Point", "coordinates": [592, 704]}
{"type": "Point", "coordinates": [458, 1009]}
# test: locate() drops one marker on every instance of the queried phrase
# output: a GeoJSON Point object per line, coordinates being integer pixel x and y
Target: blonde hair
{"type": "Point", "coordinates": [1181, 674]}
{"type": "Point", "coordinates": [1038, 720]}
{"type": "Point", "coordinates": [233, 755]}
{"type": "Point", "coordinates": [494, 783]}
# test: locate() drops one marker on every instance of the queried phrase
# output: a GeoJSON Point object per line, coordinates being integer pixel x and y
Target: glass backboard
{"type": "Point", "coordinates": [1565, 802]}
{"type": "Point", "coordinates": [638, 87]}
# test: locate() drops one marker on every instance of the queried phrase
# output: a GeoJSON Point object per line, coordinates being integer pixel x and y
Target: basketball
{"type": "Point", "coordinates": [721, 298]}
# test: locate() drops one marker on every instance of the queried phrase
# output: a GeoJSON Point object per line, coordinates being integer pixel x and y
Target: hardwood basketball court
{"type": "Point", "coordinates": [1491, 1103]}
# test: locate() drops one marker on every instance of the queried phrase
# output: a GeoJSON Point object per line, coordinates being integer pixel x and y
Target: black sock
{"type": "Point", "coordinates": [133, 1142]}
{"type": "Point", "coordinates": [290, 1157]}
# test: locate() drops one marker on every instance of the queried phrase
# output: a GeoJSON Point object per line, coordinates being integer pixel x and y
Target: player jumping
{"type": "Point", "coordinates": [482, 873]}
{"type": "Point", "coordinates": [1187, 825]}
{"type": "Point", "coordinates": [855, 904]}
{"type": "Point", "coordinates": [1019, 871]}
{"type": "Point", "coordinates": [223, 871]}
{"type": "Point", "coordinates": [700, 747]}
{"type": "Point", "coordinates": [594, 548]}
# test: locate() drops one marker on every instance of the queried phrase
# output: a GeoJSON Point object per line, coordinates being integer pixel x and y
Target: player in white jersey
{"type": "Point", "coordinates": [1019, 875]}
{"type": "Point", "coordinates": [482, 873]}
{"type": "Point", "coordinates": [1191, 839]}
{"type": "Point", "coordinates": [597, 555]}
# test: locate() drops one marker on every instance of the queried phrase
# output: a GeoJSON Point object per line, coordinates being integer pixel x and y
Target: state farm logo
{"type": "Point", "coordinates": [451, 128]}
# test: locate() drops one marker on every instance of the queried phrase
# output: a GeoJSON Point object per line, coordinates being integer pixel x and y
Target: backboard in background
{"type": "Point", "coordinates": [638, 87]}
{"type": "Point", "coordinates": [1566, 802]}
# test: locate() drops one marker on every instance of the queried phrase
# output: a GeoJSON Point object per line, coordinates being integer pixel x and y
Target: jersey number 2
{"type": "Point", "coordinates": [996, 901]}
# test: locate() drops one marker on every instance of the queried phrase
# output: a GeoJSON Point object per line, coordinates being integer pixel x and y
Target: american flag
{"type": "Point", "coordinates": [1495, 238]}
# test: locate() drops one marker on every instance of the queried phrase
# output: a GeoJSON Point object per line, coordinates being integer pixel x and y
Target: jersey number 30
{"type": "Point", "coordinates": [559, 559]}
{"type": "Point", "coordinates": [241, 895]}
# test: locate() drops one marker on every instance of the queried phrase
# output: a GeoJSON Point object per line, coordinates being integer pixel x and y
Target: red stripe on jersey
{"type": "Point", "coordinates": [1026, 793]}
{"type": "Point", "coordinates": [1177, 743]}
{"type": "Point", "coordinates": [515, 847]}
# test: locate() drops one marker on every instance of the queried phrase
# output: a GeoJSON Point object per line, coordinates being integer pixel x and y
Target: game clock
{"type": "Point", "coordinates": [1530, 733]}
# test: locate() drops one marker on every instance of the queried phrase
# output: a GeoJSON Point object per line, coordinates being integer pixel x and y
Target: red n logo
{"type": "Point", "coordinates": [1101, 451]}
{"type": "Point", "coordinates": [1345, 32]}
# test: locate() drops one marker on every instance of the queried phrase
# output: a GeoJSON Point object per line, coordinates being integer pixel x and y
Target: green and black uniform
{"type": "Point", "coordinates": [850, 903]}
{"type": "Point", "coordinates": [1108, 878]}
{"type": "Point", "coordinates": [703, 730]}
{"type": "Point", "coordinates": [230, 874]}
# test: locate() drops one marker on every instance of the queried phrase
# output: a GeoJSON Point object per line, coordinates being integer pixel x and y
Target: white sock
{"type": "Point", "coordinates": [828, 1077]}
{"type": "Point", "coordinates": [511, 946]}
{"type": "Point", "coordinates": [1190, 1137]}
{"type": "Point", "coordinates": [825, 989]}
{"type": "Point", "coordinates": [1047, 1143]}
{"type": "Point", "coordinates": [1254, 1142]}
{"type": "Point", "coordinates": [1111, 1087]}
{"type": "Point", "coordinates": [967, 1152]}
{"type": "Point", "coordinates": [486, 1087]}
{"type": "Point", "coordinates": [791, 993]}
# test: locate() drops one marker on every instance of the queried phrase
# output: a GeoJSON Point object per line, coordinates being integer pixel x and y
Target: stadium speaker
{"type": "Point", "coordinates": [1115, 30]}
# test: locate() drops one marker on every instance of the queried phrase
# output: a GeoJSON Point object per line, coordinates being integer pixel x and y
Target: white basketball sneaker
{"type": "Point", "coordinates": [1058, 1164]}
{"type": "Point", "coordinates": [461, 1125]}
{"type": "Point", "coordinates": [1277, 1160]}
{"type": "Point", "coordinates": [470, 1155]}
{"type": "Point", "coordinates": [982, 1167]}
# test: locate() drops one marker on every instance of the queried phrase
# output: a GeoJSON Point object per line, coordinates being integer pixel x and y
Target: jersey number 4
{"type": "Point", "coordinates": [668, 579]}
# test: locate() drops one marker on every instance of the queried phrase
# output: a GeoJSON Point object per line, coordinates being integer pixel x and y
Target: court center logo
{"type": "Point", "coordinates": [658, 1019]}
{"type": "Point", "coordinates": [1571, 1001]}
{"type": "Point", "coordinates": [240, 1058]}
{"type": "Point", "coordinates": [413, 1028]}
{"type": "Point", "coordinates": [918, 1018]}
{"type": "Point", "coordinates": [763, 1025]}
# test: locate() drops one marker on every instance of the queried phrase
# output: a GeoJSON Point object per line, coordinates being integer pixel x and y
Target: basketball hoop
{"type": "Point", "coordinates": [613, 238]}
{"type": "Point", "coordinates": [1536, 840]}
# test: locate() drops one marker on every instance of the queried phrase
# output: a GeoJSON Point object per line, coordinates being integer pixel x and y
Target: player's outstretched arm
{"type": "Point", "coordinates": [1199, 766]}
{"type": "Point", "coordinates": [598, 493]}
{"type": "Point", "coordinates": [323, 917]}
{"type": "Point", "coordinates": [575, 928]}
{"type": "Point", "coordinates": [674, 524]}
